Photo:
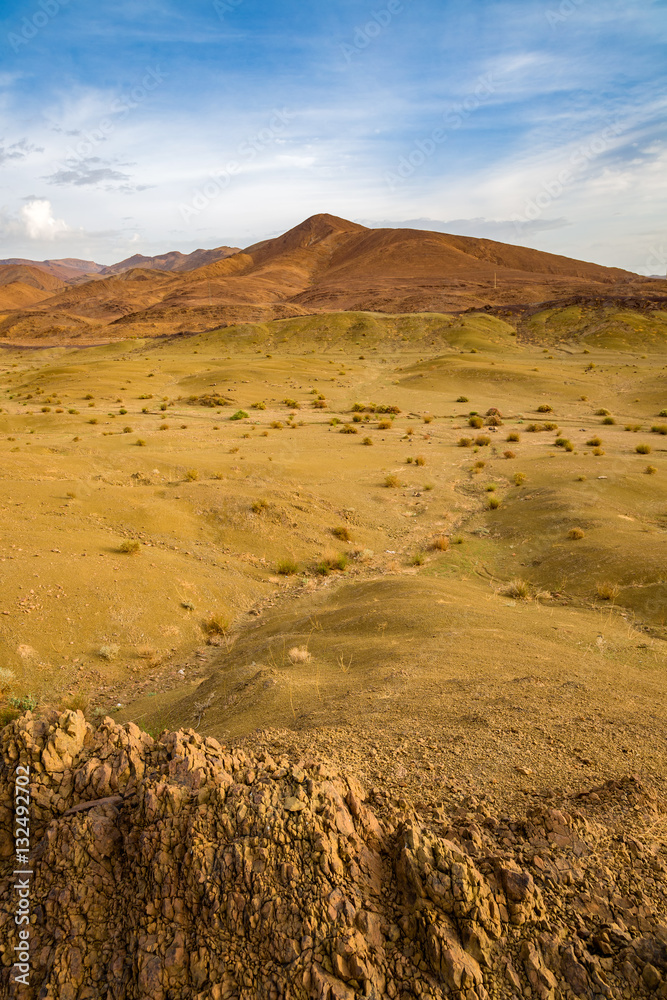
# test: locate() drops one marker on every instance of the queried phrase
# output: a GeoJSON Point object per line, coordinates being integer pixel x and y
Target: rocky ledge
{"type": "Point", "coordinates": [179, 869]}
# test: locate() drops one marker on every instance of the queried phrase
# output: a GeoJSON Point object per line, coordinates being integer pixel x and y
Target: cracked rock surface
{"type": "Point", "coordinates": [213, 873]}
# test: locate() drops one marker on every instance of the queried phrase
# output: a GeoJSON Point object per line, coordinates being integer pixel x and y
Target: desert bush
{"type": "Point", "coordinates": [299, 654]}
{"type": "Point", "coordinates": [409, 460]}
{"type": "Point", "coordinates": [6, 678]}
{"type": "Point", "coordinates": [259, 506]}
{"type": "Point", "coordinates": [356, 419]}
{"type": "Point", "coordinates": [410, 431]}
{"type": "Point", "coordinates": [130, 547]}
{"type": "Point", "coordinates": [545, 408]}
{"type": "Point", "coordinates": [206, 400]}
{"type": "Point", "coordinates": [164, 427]}
{"type": "Point", "coordinates": [535, 428]}
{"type": "Point", "coordinates": [560, 442]}
{"type": "Point", "coordinates": [358, 407]}
{"type": "Point", "coordinates": [239, 415]}
{"type": "Point", "coordinates": [93, 421]}
{"type": "Point", "coordinates": [367, 441]}
{"type": "Point", "coordinates": [23, 703]}
{"type": "Point", "coordinates": [331, 561]}
{"type": "Point", "coordinates": [216, 624]}
{"type": "Point", "coordinates": [140, 443]}
{"type": "Point", "coordinates": [418, 559]}
{"type": "Point", "coordinates": [594, 442]}
{"type": "Point", "coordinates": [191, 475]}
{"type": "Point", "coordinates": [320, 404]}
{"type": "Point", "coordinates": [475, 422]}
{"type": "Point", "coordinates": [342, 532]}
{"type": "Point", "coordinates": [287, 567]}
{"type": "Point", "coordinates": [428, 419]}
{"type": "Point", "coordinates": [643, 449]}
{"type": "Point", "coordinates": [462, 399]}
{"type": "Point", "coordinates": [479, 464]}
{"type": "Point", "coordinates": [494, 421]}
{"type": "Point", "coordinates": [384, 425]}
{"type": "Point", "coordinates": [482, 440]}
{"type": "Point", "coordinates": [493, 503]}
{"type": "Point", "coordinates": [659, 429]}
{"type": "Point", "coordinates": [517, 589]}
{"type": "Point", "coordinates": [293, 404]}
{"type": "Point", "coordinates": [663, 413]}
{"type": "Point", "coordinates": [387, 408]}
{"type": "Point", "coordinates": [608, 421]}
{"type": "Point", "coordinates": [122, 411]}
{"type": "Point", "coordinates": [491, 488]}
{"type": "Point", "coordinates": [650, 470]}
{"type": "Point", "coordinates": [89, 395]}
{"type": "Point", "coordinates": [128, 430]}
{"type": "Point", "coordinates": [575, 533]}
{"type": "Point", "coordinates": [602, 413]}
{"type": "Point", "coordinates": [391, 481]}
{"type": "Point", "coordinates": [509, 454]}
{"type": "Point", "coordinates": [348, 429]}
{"type": "Point", "coordinates": [550, 427]}
{"type": "Point", "coordinates": [465, 442]}
{"type": "Point", "coordinates": [277, 425]}
{"type": "Point", "coordinates": [568, 446]}
{"type": "Point", "coordinates": [607, 591]}
{"type": "Point", "coordinates": [109, 651]}
{"type": "Point", "coordinates": [440, 543]}
{"type": "Point", "coordinates": [420, 460]}
{"type": "Point", "coordinates": [519, 478]}
{"type": "Point", "coordinates": [597, 452]}
{"type": "Point", "coordinates": [258, 406]}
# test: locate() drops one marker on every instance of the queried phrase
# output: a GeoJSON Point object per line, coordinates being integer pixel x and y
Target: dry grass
{"type": "Point", "coordinates": [517, 589]}
{"type": "Point", "coordinates": [287, 567]}
{"type": "Point", "coordinates": [130, 547]}
{"type": "Point", "coordinates": [342, 532]}
{"type": "Point", "coordinates": [216, 624]}
{"type": "Point", "coordinates": [299, 654]}
{"type": "Point", "coordinates": [392, 481]}
{"type": "Point", "coordinates": [440, 543]}
{"type": "Point", "coordinates": [607, 591]}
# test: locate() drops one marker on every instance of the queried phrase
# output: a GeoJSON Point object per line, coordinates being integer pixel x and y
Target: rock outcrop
{"type": "Point", "coordinates": [178, 868]}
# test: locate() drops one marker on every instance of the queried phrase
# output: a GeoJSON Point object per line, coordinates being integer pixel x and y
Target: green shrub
{"type": "Point", "coordinates": [129, 547]}
{"type": "Point", "coordinates": [239, 415]}
{"type": "Point", "coordinates": [287, 567]}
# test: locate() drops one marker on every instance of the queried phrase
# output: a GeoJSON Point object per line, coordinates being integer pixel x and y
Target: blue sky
{"type": "Point", "coordinates": [149, 126]}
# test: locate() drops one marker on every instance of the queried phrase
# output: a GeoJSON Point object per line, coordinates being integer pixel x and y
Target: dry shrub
{"type": "Point", "coordinates": [514, 436]}
{"type": "Point", "coordinates": [519, 478]}
{"type": "Point", "coordinates": [575, 533]}
{"type": "Point", "coordinates": [391, 481]}
{"type": "Point", "coordinates": [509, 454]}
{"type": "Point", "coordinates": [109, 651]}
{"type": "Point", "coordinates": [420, 460]}
{"type": "Point", "coordinates": [465, 442]}
{"type": "Point", "coordinates": [643, 449]}
{"type": "Point", "coordinates": [545, 408]}
{"type": "Point", "coordinates": [482, 440]}
{"type": "Point", "coordinates": [342, 532]}
{"type": "Point", "coordinates": [607, 591]}
{"type": "Point", "coordinates": [367, 441]}
{"type": "Point", "coordinates": [129, 547]}
{"type": "Point", "coordinates": [216, 624]}
{"type": "Point", "coordinates": [191, 475]}
{"type": "Point", "coordinates": [475, 422]}
{"type": "Point", "coordinates": [440, 543]}
{"type": "Point", "coordinates": [650, 470]}
{"type": "Point", "coordinates": [287, 567]}
{"type": "Point", "coordinates": [299, 654]}
{"type": "Point", "coordinates": [517, 589]}
{"type": "Point", "coordinates": [384, 425]}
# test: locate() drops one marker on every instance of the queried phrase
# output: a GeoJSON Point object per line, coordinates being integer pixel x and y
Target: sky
{"type": "Point", "coordinates": [143, 126]}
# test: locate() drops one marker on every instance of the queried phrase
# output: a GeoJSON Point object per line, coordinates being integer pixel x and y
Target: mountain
{"type": "Point", "coordinates": [64, 269]}
{"type": "Point", "coordinates": [325, 264]}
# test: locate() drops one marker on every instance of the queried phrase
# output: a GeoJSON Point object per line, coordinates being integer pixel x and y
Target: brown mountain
{"type": "Point", "coordinates": [324, 264]}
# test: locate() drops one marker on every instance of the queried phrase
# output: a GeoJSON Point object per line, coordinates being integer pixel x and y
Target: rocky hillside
{"type": "Point", "coordinates": [180, 868]}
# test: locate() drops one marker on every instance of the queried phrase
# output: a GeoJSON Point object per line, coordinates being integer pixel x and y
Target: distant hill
{"type": "Point", "coordinates": [325, 264]}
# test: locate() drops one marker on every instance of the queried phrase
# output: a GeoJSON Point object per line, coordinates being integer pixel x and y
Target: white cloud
{"type": "Point", "coordinates": [39, 222]}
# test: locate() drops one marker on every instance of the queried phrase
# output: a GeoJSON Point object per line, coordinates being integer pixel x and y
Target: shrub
{"type": "Point", "coordinates": [475, 422]}
{"type": "Point", "coordinates": [164, 427]}
{"type": "Point", "coordinates": [191, 475]}
{"type": "Point", "coordinates": [517, 589]}
{"type": "Point", "coordinates": [342, 532]}
{"type": "Point", "coordinates": [428, 419]}
{"type": "Point", "coordinates": [93, 421]}
{"type": "Point", "coordinates": [602, 413]}
{"type": "Point", "coordinates": [109, 651]}
{"type": "Point", "coordinates": [482, 440]}
{"type": "Point", "coordinates": [479, 465]}
{"type": "Point", "coordinates": [418, 559]}
{"type": "Point", "coordinates": [568, 446]}
{"type": "Point", "coordinates": [239, 415]}
{"type": "Point", "coordinates": [575, 533]}
{"type": "Point", "coordinates": [358, 407]}
{"type": "Point", "coordinates": [494, 503]}
{"type": "Point", "coordinates": [494, 421]}
{"type": "Point", "coordinates": [609, 421]}
{"type": "Point", "coordinates": [650, 470]}
{"type": "Point", "coordinates": [607, 591]}
{"type": "Point", "coordinates": [420, 460]}
{"type": "Point", "coordinates": [140, 443]}
{"type": "Point", "coordinates": [384, 425]}
{"type": "Point", "coordinates": [216, 624]}
{"type": "Point", "coordinates": [550, 427]}
{"type": "Point", "coordinates": [519, 478]}
{"type": "Point", "coordinates": [465, 442]}
{"type": "Point", "coordinates": [259, 506]}
{"type": "Point", "coordinates": [462, 399]}
{"type": "Point", "coordinates": [545, 408]}
{"type": "Point", "coordinates": [386, 408]}
{"type": "Point", "coordinates": [299, 654]}
{"type": "Point", "coordinates": [643, 449]}
{"type": "Point", "coordinates": [440, 543]}
{"type": "Point", "coordinates": [409, 460]}
{"type": "Point", "coordinates": [320, 404]}
{"type": "Point", "coordinates": [597, 452]}
{"type": "Point", "coordinates": [293, 404]}
{"type": "Point", "coordinates": [331, 561]}
{"type": "Point", "coordinates": [594, 442]}
{"type": "Point", "coordinates": [122, 411]}
{"type": "Point", "coordinates": [6, 678]}
{"type": "Point", "coordinates": [276, 425]}
{"type": "Point", "coordinates": [509, 454]}
{"type": "Point", "coordinates": [391, 481]}
{"type": "Point", "coordinates": [491, 488]}
{"type": "Point", "coordinates": [259, 406]}
{"type": "Point", "coordinates": [127, 430]}
{"type": "Point", "coordinates": [535, 428]}
{"type": "Point", "coordinates": [129, 547]}
{"type": "Point", "coordinates": [348, 429]}
{"type": "Point", "coordinates": [659, 429]}
{"type": "Point", "coordinates": [287, 567]}
{"type": "Point", "coordinates": [89, 395]}
{"type": "Point", "coordinates": [367, 441]}
{"type": "Point", "coordinates": [356, 419]}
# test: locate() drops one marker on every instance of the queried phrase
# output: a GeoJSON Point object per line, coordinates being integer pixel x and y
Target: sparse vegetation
{"type": "Point", "coordinates": [191, 475]}
{"type": "Point", "coordinates": [575, 533]}
{"type": "Point", "coordinates": [299, 654]}
{"type": "Point", "coordinates": [607, 591]}
{"type": "Point", "coordinates": [216, 624]}
{"type": "Point", "coordinates": [239, 415]}
{"type": "Point", "coordinates": [518, 590]}
{"type": "Point", "coordinates": [130, 547]}
{"type": "Point", "coordinates": [287, 567]}
{"type": "Point", "coordinates": [342, 532]}
{"type": "Point", "coordinates": [391, 481]}
{"type": "Point", "coordinates": [643, 449]}
{"type": "Point", "coordinates": [109, 651]}
{"type": "Point", "coordinates": [440, 543]}
{"type": "Point", "coordinates": [493, 503]}
{"type": "Point", "coordinates": [544, 408]}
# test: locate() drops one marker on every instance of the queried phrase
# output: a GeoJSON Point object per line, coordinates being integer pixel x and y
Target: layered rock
{"type": "Point", "coordinates": [179, 868]}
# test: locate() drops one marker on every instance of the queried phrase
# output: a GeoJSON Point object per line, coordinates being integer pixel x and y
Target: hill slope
{"type": "Point", "coordinates": [322, 265]}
